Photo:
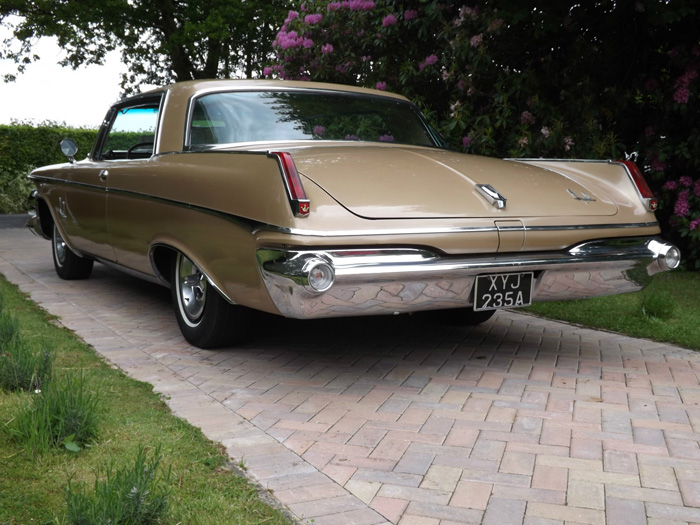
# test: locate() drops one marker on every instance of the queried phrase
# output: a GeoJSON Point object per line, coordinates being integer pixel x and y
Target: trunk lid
{"type": "Point", "coordinates": [390, 182]}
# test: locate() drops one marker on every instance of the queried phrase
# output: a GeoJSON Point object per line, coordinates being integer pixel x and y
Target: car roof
{"type": "Point", "coordinates": [191, 87]}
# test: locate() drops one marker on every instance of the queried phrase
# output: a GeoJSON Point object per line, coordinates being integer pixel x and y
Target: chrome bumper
{"type": "Point", "coordinates": [33, 224]}
{"type": "Point", "coordinates": [390, 281]}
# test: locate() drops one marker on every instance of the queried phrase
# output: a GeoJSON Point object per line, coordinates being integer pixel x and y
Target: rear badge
{"type": "Point", "coordinates": [584, 197]}
{"type": "Point", "coordinates": [491, 195]}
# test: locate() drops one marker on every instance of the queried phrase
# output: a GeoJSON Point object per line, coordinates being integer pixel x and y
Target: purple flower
{"type": "Point", "coordinates": [495, 25]}
{"type": "Point", "coordinates": [313, 19]}
{"type": "Point", "coordinates": [686, 78]}
{"type": "Point", "coordinates": [286, 40]}
{"type": "Point", "coordinates": [267, 71]}
{"type": "Point", "coordinates": [351, 137]}
{"type": "Point", "coordinates": [686, 181]}
{"type": "Point", "coordinates": [429, 61]}
{"type": "Point", "coordinates": [476, 40]}
{"type": "Point", "coordinates": [568, 142]}
{"type": "Point", "coordinates": [670, 185]}
{"type": "Point", "coordinates": [308, 43]}
{"type": "Point", "coordinates": [694, 224]}
{"type": "Point", "coordinates": [682, 208]}
{"type": "Point", "coordinates": [527, 118]}
{"type": "Point", "coordinates": [327, 49]}
{"type": "Point", "coordinates": [410, 14]}
{"type": "Point", "coordinates": [386, 138]}
{"type": "Point", "coordinates": [466, 141]}
{"type": "Point", "coordinates": [291, 16]}
{"type": "Point", "coordinates": [682, 95]}
{"type": "Point", "coordinates": [359, 5]}
{"type": "Point", "coordinates": [334, 6]}
{"type": "Point", "coordinates": [381, 85]}
{"type": "Point", "coordinates": [319, 130]}
{"type": "Point", "coordinates": [656, 164]}
{"type": "Point", "coordinates": [389, 20]}
{"type": "Point", "coordinates": [523, 141]}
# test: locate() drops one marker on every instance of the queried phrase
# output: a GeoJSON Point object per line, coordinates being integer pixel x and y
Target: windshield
{"type": "Point", "coordinates": [225, 118]}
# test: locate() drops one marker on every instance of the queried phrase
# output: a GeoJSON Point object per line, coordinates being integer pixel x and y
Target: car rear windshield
{"type": "Point", "coordinates": [233, 117]}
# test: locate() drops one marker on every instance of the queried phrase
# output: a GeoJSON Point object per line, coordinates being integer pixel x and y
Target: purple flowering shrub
{"type": "Point", "coordinates": [512, 79]}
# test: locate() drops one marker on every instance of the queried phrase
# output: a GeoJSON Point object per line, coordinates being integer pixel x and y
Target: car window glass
{"type": "Point", "coordinates": [132, 133]}
{"type": "Point", "coordinates": [224, 118]}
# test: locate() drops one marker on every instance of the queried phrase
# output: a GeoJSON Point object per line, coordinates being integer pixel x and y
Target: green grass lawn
{"type": "Point", "coordinates": [667, 310]}
{"type": "Point", "coordinates": [33, 489]}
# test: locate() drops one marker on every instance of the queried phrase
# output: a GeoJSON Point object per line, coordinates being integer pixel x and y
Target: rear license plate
{"type": "Point", "coordinates": [504, 290]}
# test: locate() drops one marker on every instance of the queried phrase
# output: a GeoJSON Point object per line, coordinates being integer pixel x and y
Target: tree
{"type": "Point", "coordinates": [527, 78]}
{"type": "Point", "coordinates": [161, 41]}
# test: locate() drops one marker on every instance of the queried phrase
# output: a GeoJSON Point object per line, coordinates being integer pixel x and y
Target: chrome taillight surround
{"type": "Point", "coordinates": [640, 183]}
{"type": "Point", "coordinates": [300, 204]}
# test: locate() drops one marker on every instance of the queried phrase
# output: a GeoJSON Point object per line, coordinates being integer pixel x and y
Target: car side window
{"type": "Point", "coordinates": [132, 133]}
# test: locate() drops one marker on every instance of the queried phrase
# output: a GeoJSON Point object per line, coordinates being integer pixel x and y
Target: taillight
{"type": "Point", "coordinates": [642, 187]}
{"type": "Point", "coordinates": [295, 191]}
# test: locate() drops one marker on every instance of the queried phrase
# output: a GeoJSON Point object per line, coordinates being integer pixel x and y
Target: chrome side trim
{"type": "Point", "coordinates": [408, 280]}
{"type": "Point", "coordinates": [455, 229]}
{"type": "Point", "coordinates": [254, 226]}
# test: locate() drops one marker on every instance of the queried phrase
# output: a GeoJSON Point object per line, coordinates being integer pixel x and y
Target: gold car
{"type": "Point", "coordinates": [315, 200]}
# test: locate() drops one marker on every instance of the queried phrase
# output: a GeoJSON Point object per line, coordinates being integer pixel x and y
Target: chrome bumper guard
{"type": "Point", "coordinates": [332, 283]}
{"type": "Point", "coordinates": [33, 224]}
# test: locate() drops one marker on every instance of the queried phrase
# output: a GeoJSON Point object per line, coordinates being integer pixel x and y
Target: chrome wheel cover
{"type": "Point", "coordinates": [59, 247]}
{"type": "Point", "coordinates": [191, 290]}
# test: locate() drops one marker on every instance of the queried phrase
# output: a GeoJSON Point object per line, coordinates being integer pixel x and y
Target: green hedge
{"type": "Point", "coordinates": [24, 147]}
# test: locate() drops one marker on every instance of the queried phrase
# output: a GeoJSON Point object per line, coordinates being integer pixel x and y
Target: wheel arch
{"type": "Point", "coordinates": [163, 257]}
{"type": "Point", "coordinates": [45, 218]}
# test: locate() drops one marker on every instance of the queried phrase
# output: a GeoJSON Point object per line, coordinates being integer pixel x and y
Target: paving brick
{"type": "Point", "coordinates": [568, 514]}
{"type": "Point", "coordinates": [445, 513]}
{"type": "Point", "coordinates": [624, 511]}
{"type": "Point", "coordinates": [555, 434]}
{"type": "Point", "coordinates": [587, 448]}
{"type": "Point", "coordinates": [566, 462]}
{"type": "Point", "coordinates": [673, 512]}
{"type": "Point", "coordinates": [586, 494]}
{"type": "Point", "coordinates": [391, 508]}
{"type": "Point", "coordinates": [550, 478]}
{"type": "Point", "coordinates": [517, 463]}
{"type": "Point", "coordinates": [669, 497]}
{"type": "Point", "coordinates": [439, 497]}
{"type": "Point", "coordinates": [629, 480]}
{"type": "Point", "coordinates": [441, 478]}
{"type": "Point", "coordinates": [503, 511]}
{"type": "Point", "coordinates": [615, 461]}
{"type": "Point", "coordinates": [488, 450]}
{"type": "Point", "coordinates": [363, 490]}
{"type": "Point", "coordinates": [471, 494]}
{"type": "Point", "coordinates": [318, 508]}
{"type": "Point", "coordinates": [557, 497]}
{"type": "Point", "coordinates": [690, 491]}
{"type": "Point", "coordinates": [658, 477]}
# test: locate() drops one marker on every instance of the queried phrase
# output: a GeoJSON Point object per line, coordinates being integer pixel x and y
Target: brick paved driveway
{"type": "Point", "coordinates": [402, 420]}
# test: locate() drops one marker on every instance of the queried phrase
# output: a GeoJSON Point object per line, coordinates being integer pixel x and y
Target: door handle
{"type": "Point", "coordinates": [103, 175]}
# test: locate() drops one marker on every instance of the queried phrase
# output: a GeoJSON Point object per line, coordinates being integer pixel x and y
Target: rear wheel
{"type": "Point", "coordinates": [205, 318]}
{"type": "Point", "coordinates": [68, 265]}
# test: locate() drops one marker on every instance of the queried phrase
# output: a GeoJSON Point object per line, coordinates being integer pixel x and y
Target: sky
{"type": "Point", "coordinates": [47, 91]}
